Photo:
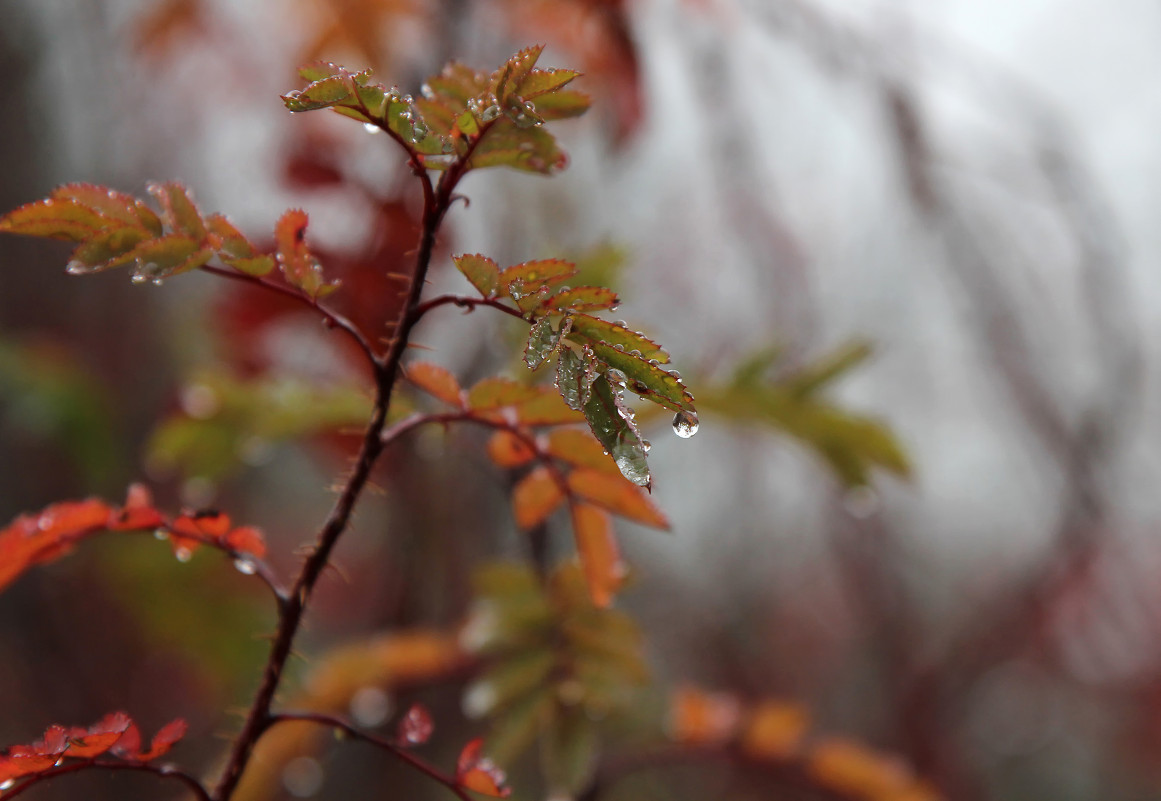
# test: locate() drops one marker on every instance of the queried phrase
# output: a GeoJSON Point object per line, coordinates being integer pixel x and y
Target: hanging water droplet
{"type": "Point", "coordinates": [76, 268]}
{"type": "Point", "coordinates": [245, 566]}
{"type": "Point", "coordinates": [646, 445]}
{"type": "Point", "coordinates": [685, 424]}
{"type": "Point", "coordinates": [616, 377]}
{"type": "Point", "coordinates": [158, 281]}
{"type": "Point", "coordinates": [370, 127]}
{"type": "Point", "coordinates": [490, 113]}
{"type": "Point", "coordinates": [7, 784]}
{"type": "Point", "coordinates": [138, 278]}
{"type": "Point", "coordinates": [183, 554]}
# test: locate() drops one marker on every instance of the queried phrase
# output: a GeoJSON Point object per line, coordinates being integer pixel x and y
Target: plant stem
{"type": "Point", "coordinates": [292, 609]}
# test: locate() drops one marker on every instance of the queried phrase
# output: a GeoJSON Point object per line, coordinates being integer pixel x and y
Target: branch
{"type": "Point", "coordinates": [161, 771]}
{"type": "Point", "coordinates": [464, 302]}
{"type": "Point", "coordinates": [331, 318]}
{"type": "Point", "coordinates": [379, 742]}
{"type": "Point", "coordinates": [386, 370]}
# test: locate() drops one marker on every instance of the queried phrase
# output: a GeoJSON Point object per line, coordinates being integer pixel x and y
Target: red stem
{"type": "Point", "coordinates": [161, 771]}
{"type": "Point", "coordinates": [337, 723]}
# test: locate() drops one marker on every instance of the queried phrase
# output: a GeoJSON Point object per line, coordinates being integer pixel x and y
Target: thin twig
{"type": "Point", "coordinates": [161, 771]}
{"type": "Point", "coordinates": [379, 742]}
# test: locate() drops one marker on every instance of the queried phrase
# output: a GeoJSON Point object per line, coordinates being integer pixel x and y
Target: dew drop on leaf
{"type": "Point", "coordinates": [370, 127]}
{"type": "Point", "coordinates": [183, 554]}
{"type": "Point", "coordinates": [7, 784]}
{"type": "Point", "coordinates": [138, 278]}
{"type": "Point", "coordinates": [685, 424]}
{"type": "Point", "coordinates": [76, 268]}
{"type": "Point", "coordinates": [245, 566]}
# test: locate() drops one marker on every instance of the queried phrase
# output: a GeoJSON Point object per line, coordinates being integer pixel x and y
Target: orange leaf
{"type": "Point", "coordinates": [137, 513]}
{"type": "Point", "coordinates": [854, 769]}
{"type": "Point", "coordinates": [580, 448]}
{"type": "Point", "coordinates": [617, 495]}
{"type": "Point", "coordinates": [436, 381]}
{"type": "Point", "coordinates": [164, 740]}
{"type": "Point", "coordinates": [599, 555]}
{"type": "Point", "coordinates": [508, 450]}
{"type": "Point", "coordinates": [698, 717]}
{"type": "Point", "coordinates": [535, 497]}
{"type": "Point", "coordinates": [774, 730]}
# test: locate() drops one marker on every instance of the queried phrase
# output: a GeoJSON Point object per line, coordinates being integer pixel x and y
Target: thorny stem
{"type": "Point", "coordinates": [332, 319]}
{"type": "Point", "coordinates": [161, 771]}
{"type": "Point", "coordinates": [386, 371]}
{"type": "Point", "coordinates": [392, 748]}
{"type": "Point", "coordinates": [466, 303]}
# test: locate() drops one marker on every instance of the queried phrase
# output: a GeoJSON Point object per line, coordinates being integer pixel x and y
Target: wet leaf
{"type": "Point", "coordinates": [416, 726]}
{"type": "Point", "coordinates": [569, 750]}
{"type": "Point", "coordinates": [299, 266]}
{"type": "Point", "coordinates": [617, 495]}
{"type": "Point", "coordinates": [649, 381]}
{"type": "Point", "coordinates": [528, 277]}
{"type": "Point", "coordinates": [589, 330]}
{"type": "Point", "coordinates": [178, 211]}
{"type": "Point", "coordinates": [436, 381]}
{"type": "Point", "coordinates": [616, 433]}
{"type": "Point", "coordinates": [581, 298]}
{"type": "Point", "coordinates": [481, 271]}
{"type": "Point", "coordinates": [543, 341]}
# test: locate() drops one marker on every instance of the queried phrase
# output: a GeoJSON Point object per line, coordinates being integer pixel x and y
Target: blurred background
{"type": "Point", "coordinates": [903, 254]}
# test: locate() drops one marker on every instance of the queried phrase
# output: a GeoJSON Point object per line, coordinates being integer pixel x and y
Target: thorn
{"type": "Point", "coordinates": [399, 277]}
{"type": "Point", "coordinates": [417, 346]}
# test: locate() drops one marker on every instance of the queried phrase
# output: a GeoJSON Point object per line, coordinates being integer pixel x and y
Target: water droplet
{"type": "Point", "coordinates": [200, 401]}
{"type": "Point", "coordinates": [619, 348]}
{"type": "Point", "coordinates": [646, 445]}
{"type": "Point", "coordinates": [245, 566]}
{"type": "Point", "coordinates": [158, 281]}
{"type": "Point", "coordinates": [7, 784]}
{"type": "Point", "coordinates": [370, 706]}
{"type": "Point", "coordinates": [183, 554]}
{"type": "Point", "coordinates": [138, 278]}
{"type": "Point", "coordinates": [685, 424]}
{"type": "Point", "coordinates": [490, 113]}
{"type": "Point", "coordinates": [76, 268]}
{"type": "Point", "coordinates": [303, 777]}
{"type": "Point", "coordinates": [616, 377]}
{"type": "Point", "coordinates": [160, 534]}
{"type": "Point", "coordinates": [427, 91]}
{"type": "Point", "coordinates": [370, 127]}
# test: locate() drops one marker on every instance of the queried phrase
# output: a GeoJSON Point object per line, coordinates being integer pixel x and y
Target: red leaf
{"type": "Point", "coordinates": [246, 539]}
{"type": "Point", "coordinates": [299, 265]}
{"type": "Point", "coordinates": [137, 513]}
{"type": "Point", "coordinates": [477, 773]}
{"type": "Point", "coordinates": [164, 740]}
{"type": "Point", "coordinates": [416, 726]}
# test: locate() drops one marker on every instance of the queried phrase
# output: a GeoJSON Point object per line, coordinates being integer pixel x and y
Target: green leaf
{"type": "Point", "coordinates": [540, 82]}
{"type": "Point", "coordinates": [481, 271]}
{"type": "Point", "coordinates": [569, 750]}
{"type": "Point", "coordinates": [322, 93]}
{"type": "Point", "coordinates": [233, 242]}
{"type": "Point", "coordinates": [530, 149]}
{"type": "Point", "coordinates": [581, 298]}
{"type": "Point", "coordinates": [178, 209]}
{"type": "Point", "coordinates": [110, 248]}
{"type": "Point", "coordinates": [511, 678]}
{"type": "Point", "coordinates": [815, 376]}
{"type": "Point", "coordinates": [589, 330]}
{"type": "Point", "coordinates": [562, 105]}
{"type": "Point", "coordinates": [256, 266]}
{"type": "Point", "coordinates": [112, 204]}
{"type": "Point", "coordinates": [647, 380]}
{"type": "Point", "coordinates": [516, 728]}
{"type": "Point", "coordinates": [56, 219]}
{"type": "Point", "coordinates": [157, 259]}
{"type": "Point", "coordinates": [543, 340]}
{"type": "Point", "coordinates": [514, 71]}
{"type": "Point", "coordinates": [574, 378]}
{"type": "Point", "coordinates": [615, 430]}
